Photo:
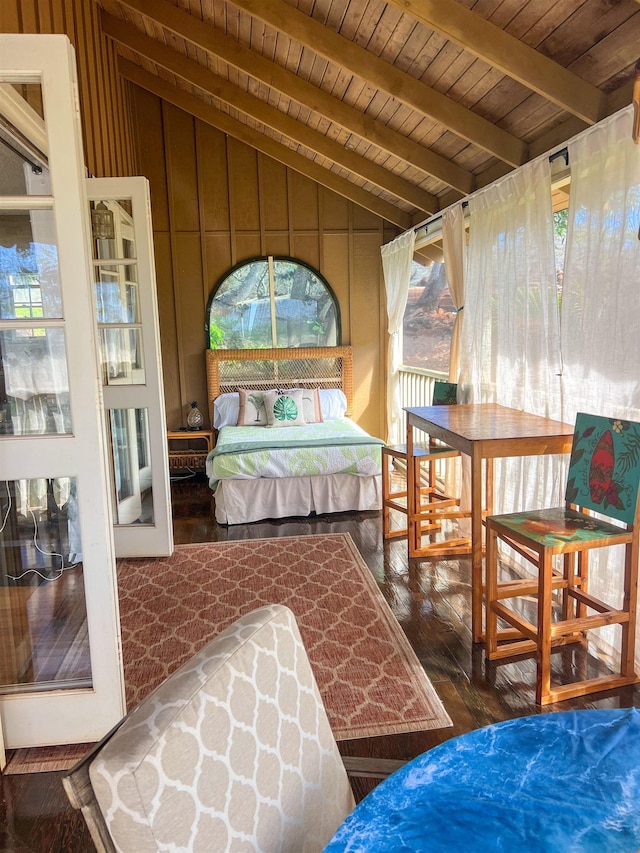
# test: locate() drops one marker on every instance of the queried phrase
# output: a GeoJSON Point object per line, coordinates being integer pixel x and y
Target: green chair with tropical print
{"type": "Point", "coordinates": [604, 478]}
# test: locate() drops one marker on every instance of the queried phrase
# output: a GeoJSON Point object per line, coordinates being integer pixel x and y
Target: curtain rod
{"type": "Point", "coordinates": [436, 217]}
{"type": "Point", "coordinates": [561, 152]}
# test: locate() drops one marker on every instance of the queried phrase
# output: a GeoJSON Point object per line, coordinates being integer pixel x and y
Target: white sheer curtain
{"type": "Point", "coordinates": [453, 247]}
{"type": "Point", "coordinates": [457, 476]}
{"type": "Point", "coordinates": [601, 298]}
{"type": "Point", "coordinates": [396, 264]}
{"type": "Point", "coordinates": [510, 330]}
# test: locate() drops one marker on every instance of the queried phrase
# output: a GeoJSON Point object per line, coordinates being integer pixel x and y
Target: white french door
{"type": "Point", "coordinates": [130, 364]}
{"type": "Point", "coordinates": [61, 677]}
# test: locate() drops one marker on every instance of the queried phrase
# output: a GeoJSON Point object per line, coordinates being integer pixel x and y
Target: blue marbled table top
{"type": "Point", "coordinates": [563, 782]}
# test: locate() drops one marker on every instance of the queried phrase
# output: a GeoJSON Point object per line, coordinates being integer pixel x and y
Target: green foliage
{"type": "Point", "coordinates": [216, 336]}
{"type": "Point", "coordinates": [560, 220]}
{"type": "Point", "coordinates": [630, 458]}
{"type": "Point", "coordinates": [285, 409]}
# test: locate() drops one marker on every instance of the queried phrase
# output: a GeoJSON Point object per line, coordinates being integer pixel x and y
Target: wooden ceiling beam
{"type": "Point", "coordinates": [558, 135]}
{"type": "Point", "coordinates": [503, 51]}
{"type": "Point", "coordinates": [288, 84]}
{"type": "Point", "coordinates": [385, 76]}
{"type": "Point", "coordinates": [210, 115]}
{"type": "Point", "coordinates": [212, 84]}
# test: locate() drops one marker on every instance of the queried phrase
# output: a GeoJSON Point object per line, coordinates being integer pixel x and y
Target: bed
{"type": "Point", "coordinates": [310, 458]}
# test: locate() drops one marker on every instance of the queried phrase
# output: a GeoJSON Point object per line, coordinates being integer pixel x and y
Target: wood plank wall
{"type": "Point", "coordinates": [215, 202]}
{"type": "Point", "coordinates": [104, 102]}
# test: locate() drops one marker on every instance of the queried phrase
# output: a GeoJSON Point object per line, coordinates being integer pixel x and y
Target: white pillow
{"type": "Point", "coordinates": [226, 407]}
{"type": "Point", "coordinates": [333, 402]}
{"type": "Point", "coordinates": [284, 410]}
{"type": "Point", "coordinates": [225, 410]}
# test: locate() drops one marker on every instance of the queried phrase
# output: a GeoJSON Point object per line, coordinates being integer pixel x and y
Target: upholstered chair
{"type": "Point", "coordinates": [232, 752]}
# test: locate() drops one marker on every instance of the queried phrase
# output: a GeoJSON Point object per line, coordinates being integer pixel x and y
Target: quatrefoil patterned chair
{"type": "Point", "coordinates": [435, 504]}
{"type": "Point", "coordinates": [233, 751]}
{"type": "Point", "coordinates": [604, 477]}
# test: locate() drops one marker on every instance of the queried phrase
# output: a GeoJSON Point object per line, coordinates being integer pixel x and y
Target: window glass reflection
{"type": "Point", "coordinates": [23, 140]}
{"type": "Point", "coordinates": [131, 459]}
{"type": "Point", "coordinates": [117, 294]}
{"type": "Point", "coordinates": [34, 385]}
{"type": "Point", "coordinates": [29, 275]}
{"type": "Point", "coordinates": [121, 356]}
{"type": "Point", "coordinates": [112, 229]}
{"type": "Point", "coordinates": [284, 303]}
{"type": "Point", "coordinates": [45, 641]}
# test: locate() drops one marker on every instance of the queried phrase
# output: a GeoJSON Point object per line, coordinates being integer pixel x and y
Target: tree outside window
{"type": "Point", "coordinates": [429, 316]}
{"type": "Point", "coordinates": [428, 319]}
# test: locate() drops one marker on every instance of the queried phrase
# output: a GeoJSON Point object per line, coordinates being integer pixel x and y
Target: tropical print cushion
{"type": "Point", "coordinates": [284, 410]}
{"type": "Point", "coordinates": [251, 410]}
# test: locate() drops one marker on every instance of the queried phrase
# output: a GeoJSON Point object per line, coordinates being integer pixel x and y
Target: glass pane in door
{"type": "Point", "coordinates": [131, 461]}
{"type": "Point", "coordinates": [29, 276]}
{"type": "Point", "coordinates": [24, 162]}
{"type": "Point", "coordinates": [117, 293]}
{"type": "Point", "coordinates": [45, 643]}
{"type": "Point", "coordinates": [34, 386]}
{"type": "Point", "coordinates": [121, 355]}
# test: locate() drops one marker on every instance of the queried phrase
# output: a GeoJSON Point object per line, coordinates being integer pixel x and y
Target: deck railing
{"type": "Point", "coordinates": [416, 386]}
{"type": "Point", "coordinates": [416, 389]}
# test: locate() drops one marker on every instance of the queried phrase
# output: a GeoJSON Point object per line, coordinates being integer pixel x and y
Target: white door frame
{"type": "Point", "coordinates": [143, 540]}
{"type": "Point", "coordinates": [68, 716]}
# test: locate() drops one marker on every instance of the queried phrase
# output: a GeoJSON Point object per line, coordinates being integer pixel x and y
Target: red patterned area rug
{"type": "Point", "coordinates": [369, 677]}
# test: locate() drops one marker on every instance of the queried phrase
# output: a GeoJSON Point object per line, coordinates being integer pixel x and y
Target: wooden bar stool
{"type": "Point", "coordinates": [425, 474]}
{"type": "Point", "coordinates": [604, 477]}
{"type": "Point", "coordinates": [434, 504]}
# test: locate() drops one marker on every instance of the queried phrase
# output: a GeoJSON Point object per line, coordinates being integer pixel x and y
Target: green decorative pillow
{"type": "Point", "coordinates": [251, 411]}
{"type": "Point", "coordinates": [284, 410]}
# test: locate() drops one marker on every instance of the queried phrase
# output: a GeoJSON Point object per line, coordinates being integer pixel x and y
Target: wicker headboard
{"type": "Point", "coordinates": [297, 367]}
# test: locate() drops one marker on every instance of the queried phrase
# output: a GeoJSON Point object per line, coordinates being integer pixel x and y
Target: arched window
{"type": "Point", "coordinates": [272, 302]}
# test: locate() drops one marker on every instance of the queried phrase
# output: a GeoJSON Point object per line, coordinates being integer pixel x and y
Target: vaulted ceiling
{"type": "Point", "coordinates": [402, 106]}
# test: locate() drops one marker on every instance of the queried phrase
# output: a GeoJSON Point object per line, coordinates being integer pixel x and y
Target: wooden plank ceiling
{"type": "Point", "coordinates": [402, 106]}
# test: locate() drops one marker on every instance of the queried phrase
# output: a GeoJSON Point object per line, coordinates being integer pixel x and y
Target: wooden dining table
{"type": "Point", "coordinates": [482, 431]}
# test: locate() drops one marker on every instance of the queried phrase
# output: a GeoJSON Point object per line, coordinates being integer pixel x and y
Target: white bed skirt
{"type": "Point", "coordinates": [242, 501]}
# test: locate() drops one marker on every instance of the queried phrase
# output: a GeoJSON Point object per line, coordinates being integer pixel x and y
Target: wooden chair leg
{"type": "Point", "coordinates": [568, 601]}
{"type": "Point", "coordinates": [543, 640]}
{"type": "Point", "coordinates": [583, 574]}
{"type": "Point", "coordinates": [391, 500]}
{"type": "Point", "coordinates": [385, 493]}
{"type": "Point", "coordinates": [491, 628]}
{"type": "Point", "coordinates": [629, 604]}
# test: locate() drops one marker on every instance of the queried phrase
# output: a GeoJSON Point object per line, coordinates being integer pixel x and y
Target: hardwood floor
{"type": "Point", "coordinates": [431, 600]}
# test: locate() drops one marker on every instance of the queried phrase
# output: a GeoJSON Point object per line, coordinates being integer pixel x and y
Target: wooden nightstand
{"type": "Point", "coordinates": [189, 457]}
